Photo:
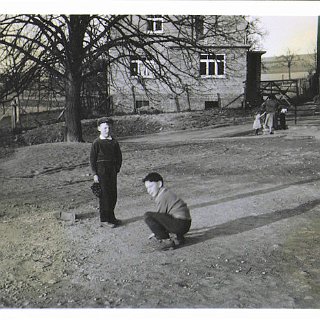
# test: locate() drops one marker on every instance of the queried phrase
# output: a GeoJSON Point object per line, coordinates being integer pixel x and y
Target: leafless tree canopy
{"type": "Point", "coordinates": [72, 48]}
{"type": "Point", "coordinates": [289, 59]}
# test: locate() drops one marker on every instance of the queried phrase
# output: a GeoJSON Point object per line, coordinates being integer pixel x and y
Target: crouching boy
{"type": "Point", "coordinates": [172, 219]}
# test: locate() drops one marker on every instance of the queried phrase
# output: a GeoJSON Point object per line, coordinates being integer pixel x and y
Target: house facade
{"type": "Point", "coordinates": [213, 76]}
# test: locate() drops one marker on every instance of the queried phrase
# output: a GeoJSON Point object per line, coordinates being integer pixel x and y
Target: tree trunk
{"type": "Point", "coordinates": [72, 113]}
{"type": "Point", "coordinates": [176, 99]}
{"type": "Point", "coordinates": [289, 72]}
{"type": "Point", "coordinates": [75, 54]}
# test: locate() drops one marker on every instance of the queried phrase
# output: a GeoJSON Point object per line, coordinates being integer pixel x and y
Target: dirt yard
{"type": "Point", "coordinates": [254, 240]}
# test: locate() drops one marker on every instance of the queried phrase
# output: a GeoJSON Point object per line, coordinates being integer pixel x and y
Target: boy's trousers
{"type": "Point", "coordinates": [108, 181]}
{"type": "Point", "coordinates": [161, 224]}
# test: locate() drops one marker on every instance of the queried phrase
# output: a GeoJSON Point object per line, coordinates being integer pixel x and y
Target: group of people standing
{"type": "Point", "coordinates": [270, 109]}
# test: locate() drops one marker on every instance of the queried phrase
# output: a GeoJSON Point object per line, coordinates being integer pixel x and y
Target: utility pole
{"type": "Point", "coordinates": [318, 56]}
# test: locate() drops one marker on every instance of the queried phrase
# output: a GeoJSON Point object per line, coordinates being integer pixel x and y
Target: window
{"type": "Point", "coordinates": [154, 24]}
{"type": "Point", "coordinates": [141, 68]}
{"type": "Point", "coordinates": [211, 105]}
{"type": "Point", "coordinates": [142, 103]}
{"type": "Point", "coordinates": [212, 65]}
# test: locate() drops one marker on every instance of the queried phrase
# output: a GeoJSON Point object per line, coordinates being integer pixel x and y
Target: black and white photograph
{"type": "Point", "coordinates": [160, 159]}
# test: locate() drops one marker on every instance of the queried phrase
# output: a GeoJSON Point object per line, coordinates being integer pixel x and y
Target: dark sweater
{"type": "Point", "coordinates": [105, 151]}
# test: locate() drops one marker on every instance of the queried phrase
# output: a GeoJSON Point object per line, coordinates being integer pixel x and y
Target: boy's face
{"type": "Point", "coordinates": [104, 129]}
{"type": "Point", "coordinates": [153, 187]}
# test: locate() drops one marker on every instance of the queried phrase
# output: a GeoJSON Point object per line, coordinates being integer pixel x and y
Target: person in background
{"type": "Point", "coordinates": [270, 106]}
{"type": "Point", "coordinates": [257, 122]}
{"type": "Point", "coordinates": [282, 116]}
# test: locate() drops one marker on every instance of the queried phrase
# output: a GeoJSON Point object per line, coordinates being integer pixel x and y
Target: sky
{"type": "Point", "coordinates": [298, 33]}
{"type": "Point", "coordinates": [290, 24]}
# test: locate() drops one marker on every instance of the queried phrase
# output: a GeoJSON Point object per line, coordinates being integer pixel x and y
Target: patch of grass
{"type": "Point", "coordinates": [302, 249]}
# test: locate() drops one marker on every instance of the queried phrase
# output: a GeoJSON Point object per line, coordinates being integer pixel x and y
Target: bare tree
{"type": "Point", "coordinates": [311, 62]}
{"type": "Point", "coordinates": [68, 46]}
{"type": "Point", "coordinates": [255, 33]}
{"type": "Point", "coordinates": [289, 59]}
{"type": "Point", "coordinates": [16, 74]}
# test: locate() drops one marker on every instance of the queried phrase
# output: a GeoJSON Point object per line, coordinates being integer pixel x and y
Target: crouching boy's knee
{"type": "Point", "coordinates": [147, 215]}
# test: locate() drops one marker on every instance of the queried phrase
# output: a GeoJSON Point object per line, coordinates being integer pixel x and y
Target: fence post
{"type": "Point", "coordinates": [297, 100]}
{"type": "Point", "coordinates": [15, 115]}
{"type": "Point", "coordinates": [134, 100]}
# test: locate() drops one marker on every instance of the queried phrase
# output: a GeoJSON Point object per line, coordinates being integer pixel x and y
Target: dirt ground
{"type": "Point", "coordinates": [254, 240]}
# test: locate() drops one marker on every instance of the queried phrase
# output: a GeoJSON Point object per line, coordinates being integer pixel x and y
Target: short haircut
{"type": "Point", "coordinates": [104, 120]}
{"type": "Point", "coordinates": [153, 177]}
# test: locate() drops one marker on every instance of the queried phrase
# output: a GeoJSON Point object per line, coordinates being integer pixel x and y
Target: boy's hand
{"type": "Point", "coordinates": [96, 178]}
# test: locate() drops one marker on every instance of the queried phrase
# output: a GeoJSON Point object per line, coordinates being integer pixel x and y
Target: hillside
{"type": "Point", "coordinates": [129, 125]}
{"type": "Point", "coordinates": [301, 63]}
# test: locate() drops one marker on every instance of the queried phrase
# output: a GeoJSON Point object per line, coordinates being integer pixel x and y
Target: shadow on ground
{"type": "Point", "coordinates": [242, 224]}
{"type": "Point", "coordinates": [253, 193]}
{"type": "Point", "coordinates": [246, 223]}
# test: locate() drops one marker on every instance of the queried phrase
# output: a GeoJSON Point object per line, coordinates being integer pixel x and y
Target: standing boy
{"type": "Point", "coordinates": [105, 161]}
{"type": "Point", "coordinates": [172, 219]}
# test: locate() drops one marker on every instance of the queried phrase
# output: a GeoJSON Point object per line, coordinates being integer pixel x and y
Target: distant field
{"type": "Point", "coordinates": [301, 64]}
{"type": "Point", "coordinates": [283, 76]}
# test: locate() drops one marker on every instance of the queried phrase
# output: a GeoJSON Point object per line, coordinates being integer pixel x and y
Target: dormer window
{"type": "Point", "coordinates": [155, 24]}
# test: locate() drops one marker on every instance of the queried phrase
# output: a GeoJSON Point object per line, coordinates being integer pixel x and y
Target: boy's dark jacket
{"type": "Point", "coordinates": [106, 151]}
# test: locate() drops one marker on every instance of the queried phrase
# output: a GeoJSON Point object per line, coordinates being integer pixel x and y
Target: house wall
{"type": "Point", "coordinates": [209, 89]}
{"type": "Point", "coordinates": [217, 92]}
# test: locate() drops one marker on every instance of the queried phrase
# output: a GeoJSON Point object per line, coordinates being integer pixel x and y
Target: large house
{"type": "Point", "coordinates": [224, 73]}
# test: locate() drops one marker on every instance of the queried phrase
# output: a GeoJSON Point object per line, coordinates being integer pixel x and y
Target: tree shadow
{"type": "Point", "coordinates": [131, 220]}
{"type": "Point", "coordinates": [246, 223]}
{"type": "Point", "coordinates": [250, 194]}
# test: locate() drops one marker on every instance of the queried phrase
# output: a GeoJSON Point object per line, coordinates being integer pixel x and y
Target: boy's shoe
{"type": "Point", "coordinates": [104, 224]}
{"type": "Point", "coordinates": [112, 224]}
{"type": "Point", "coordinates": [167, 244]}
{"type": "Point", "coordinates": [116, 223]}
{"type": "Point", "coordinates": [177, 239]}
{"type": "Point", "coordinates": [180, 240]}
